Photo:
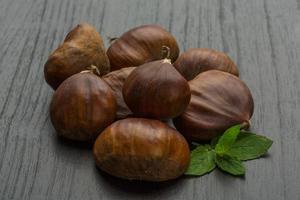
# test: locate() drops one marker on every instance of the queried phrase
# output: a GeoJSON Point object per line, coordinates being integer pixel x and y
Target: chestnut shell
{"type": "Point", "coordinates": [140, 45]}
{"type": "Point", "coordinates": [141, 149]}
{"type": "Point", "coordinates": [82, 106]}
{"type": "Point", "coordinates": [197, 60]}
{"type": "Point", "coordinates": [81, 48]}
{"type": "Point", "coordinates": [116, 81]}
{"type": "Point", "coordinates": [219, 100]}
{"type": "Point", "coordinates": [156, 90]}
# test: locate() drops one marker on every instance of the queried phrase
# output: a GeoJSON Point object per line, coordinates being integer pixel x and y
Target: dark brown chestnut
{"type": "Point", "coordinates": [140, 45]}
{"type": "Point", "coordinates": [81, 48]}
{"type": "Point", "coordinates": [141, 149]}
{"type": "Point", "coordinates": [197, 60]}
{"type": "Point", "coordinates": [82, 106]}
{"type": "Point", "coordinates": [219, 100]}
{"type": "Point", "coordinates": [115, 80]}
{"type": "Point", "coordinates": [156, 90]}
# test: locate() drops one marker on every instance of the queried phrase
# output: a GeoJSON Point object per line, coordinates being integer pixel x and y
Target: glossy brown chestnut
{"type": "Point", "coordinates": [81, 48]}
{"type": "Point", "coordinates": [156, 90]}
{"type": "Point", "coordinates": [141, 149]}
{"type": "Point", "coordinates": [140, 45]}
{"type": "Point", "coordinates": [116, 81]}
{"type": "Point", "coordinates": [82, 106]}
{"type": "Point", "coordinates": [197, 60]}
{"type": "Point", "coordinates": [219, 100]}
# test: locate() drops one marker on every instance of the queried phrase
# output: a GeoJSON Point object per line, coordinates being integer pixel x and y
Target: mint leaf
{"type": "Point", "coordinates": [249, 146]}
{"type": "Point", "coordinates": [202, 161]}
{"type": "Point", "coordinates": [214, 141]}
{"type": "Point", "coordinates": [227, 139]}
{"type": "Point", "coordinates": [231, 165]}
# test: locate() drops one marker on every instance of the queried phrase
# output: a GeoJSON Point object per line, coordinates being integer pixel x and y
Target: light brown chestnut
{"type": "Point", "coordinates": [219, 100]}
{"type": "Point", "coordinates": [197, 60]}
{"type": "Point", "coordinates": [140, 45]}
{"type": "Point", "coordinates": [82, 106]}
{"type": "Point", "coordinates": [141, 149]}
{"type": "Point", "coordinates": [81, 48]}
{"type": "Point", "coordinates": [156, 90]}
{"type": "Point", "coordinates": [115, 80]}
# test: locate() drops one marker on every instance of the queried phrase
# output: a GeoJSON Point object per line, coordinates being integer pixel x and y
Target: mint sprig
{"type": "Point", "coordinates": [249, 146]}
{"type": "Point", "coordinates": [227, 152]}
{"type": "Point", "coordinates": [202, 161]}
{"type": "Point", "coordinates": [231, 165]}
{"type": "Point", "coordinates": [227, 139]}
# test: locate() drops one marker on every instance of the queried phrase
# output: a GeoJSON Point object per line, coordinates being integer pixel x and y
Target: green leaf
{"type": "Point", "coordinates": [231, 165]}
{"type": "Point", "coordinates": [227, 139]}
{"type": "Point", "coordinates": [249, 146]}
{"type": "Point", "coordinates": [202, 161]}
{"type": "Point", "coordinates": [214, 141]}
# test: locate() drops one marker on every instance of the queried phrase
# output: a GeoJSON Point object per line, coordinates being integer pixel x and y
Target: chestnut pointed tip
{"type": "Point", "coordinates": [166, 60]}
{"type": "Point", "coordinates": [92, 69]}
{"type": "Point", "coordinates": [245, 125]}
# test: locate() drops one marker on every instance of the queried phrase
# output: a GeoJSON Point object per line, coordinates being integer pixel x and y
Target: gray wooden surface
{"type": "Point", "coordinates": [262, 36]}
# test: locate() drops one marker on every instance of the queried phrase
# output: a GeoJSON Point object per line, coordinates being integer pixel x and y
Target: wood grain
{"type": "Point", "coordinates": [262, 36]}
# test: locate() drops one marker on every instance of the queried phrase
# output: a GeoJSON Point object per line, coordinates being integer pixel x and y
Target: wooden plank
{"type": "Point", "coordinates": [263, 37]}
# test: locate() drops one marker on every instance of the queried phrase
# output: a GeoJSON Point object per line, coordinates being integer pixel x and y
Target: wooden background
{"type": "Point", "coordinates": [262, 36]}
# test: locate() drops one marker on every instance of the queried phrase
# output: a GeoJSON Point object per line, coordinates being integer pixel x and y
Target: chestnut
{"type": "Point", "coordinates": [81, 48]}
{"type": "Point", "coordinates": [197, 60]}
{"type": "Point", "coordinates": [82, 106]}
{"type": "Point", "coordinates": [141, 149]}
{"type": "Point", "coordinates": [156, 90]}
{"type": "Point", "coordinates": [115, 80]}
{"type": "Point", "coordinates": [219, 100]}
{"type": "Point", "coordinates": [140, 45]}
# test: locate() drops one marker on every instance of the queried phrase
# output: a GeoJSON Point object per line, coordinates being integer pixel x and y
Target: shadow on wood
{"type": "Point", "coordinates": [137, 187]}
{"type": "Point", "coordinates": [72, 143]}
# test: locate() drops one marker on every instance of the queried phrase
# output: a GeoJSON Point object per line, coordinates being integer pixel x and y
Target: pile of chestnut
{"type": "Point", "coordinates": [122, 99]}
